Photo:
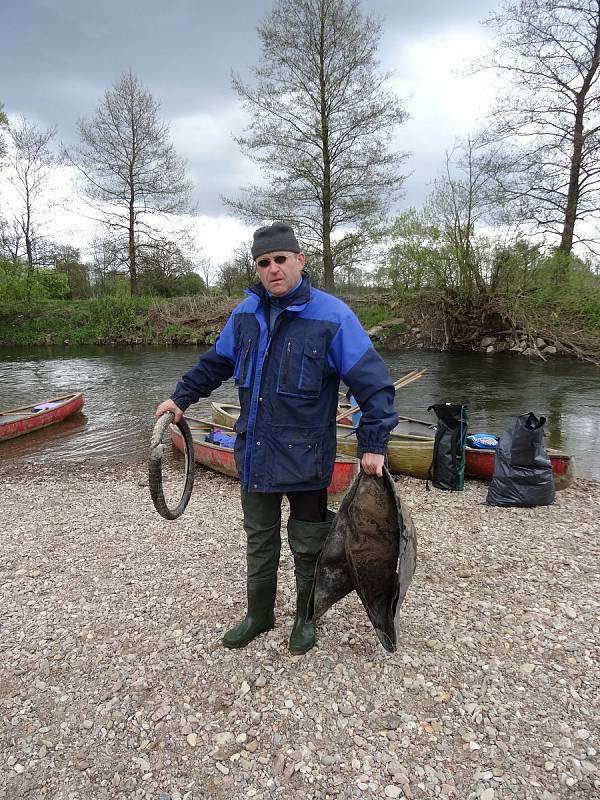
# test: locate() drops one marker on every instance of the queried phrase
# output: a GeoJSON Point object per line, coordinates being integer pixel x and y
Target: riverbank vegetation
{"type": "Point", "coordinates": [515, 298]}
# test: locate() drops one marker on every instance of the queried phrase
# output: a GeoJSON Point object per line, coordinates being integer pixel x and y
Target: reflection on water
{"type": "Point", "coordinates": [122, 386]}
{"type": "Point", "coordinates": [62, 435]}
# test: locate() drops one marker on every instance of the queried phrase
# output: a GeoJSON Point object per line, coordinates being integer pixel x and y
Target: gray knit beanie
{"type": "Point", "coordinates": [270, 238]}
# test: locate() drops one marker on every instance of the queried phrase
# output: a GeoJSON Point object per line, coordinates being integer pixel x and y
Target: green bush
{"type": "Point", "coordinates": [18, 284]}
{"type": "Point", "coordinates": [118, 314]}
{"type": "Point", "coordinates": [564, 287]}
{"type": "Point", "coordinates": [513, 266]}
{"type": "Point", "coordinates": [52, 285]}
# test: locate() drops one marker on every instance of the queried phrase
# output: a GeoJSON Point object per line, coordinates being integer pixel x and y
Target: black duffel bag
{"type": "Point", "coordinates": [447, 469]}
{"type": "Point", "coordinates": [522, 470]}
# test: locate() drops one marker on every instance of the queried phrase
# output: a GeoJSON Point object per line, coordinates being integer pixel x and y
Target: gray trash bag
{"type": "Point", "coordinates": [371, 548]}
{"type": "Point", "coordinates": [522, 470]}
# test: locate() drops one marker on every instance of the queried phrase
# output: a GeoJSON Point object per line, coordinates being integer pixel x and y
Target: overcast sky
{"type": "Point", "coordinates": [58, 57]}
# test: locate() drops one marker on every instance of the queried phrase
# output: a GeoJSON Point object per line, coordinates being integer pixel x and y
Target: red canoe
{"type": "Point", "coordinates": [17, 421]}
{"type": "Point", "coordinates": [480, 464]}
{"type": "Point", "coordinates": [221, 459]}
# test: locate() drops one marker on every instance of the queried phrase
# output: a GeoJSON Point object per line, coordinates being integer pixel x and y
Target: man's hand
{"type": "Point", "coordinates": [169, 405]}
{"type": "Point", "coordinates": [372, 463]}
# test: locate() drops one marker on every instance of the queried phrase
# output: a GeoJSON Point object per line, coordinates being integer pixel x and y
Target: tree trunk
{"type": "Point", "coordinates": [131, 244]}
{"type": "Point", "coordinates": [566, 240]}
{"type": "Point", "coordinates": [29, 250]}
{"type": "Point", "coordinates": [328, 278]}
{"type": "Point", "coordinates": [28, 242]}
{"type": "Point", "coordinates": [26, 225]}
{"type": "Point", "coordinates": [132, 255]}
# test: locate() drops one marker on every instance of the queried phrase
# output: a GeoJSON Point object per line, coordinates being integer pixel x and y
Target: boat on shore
{"type": "Point", "coordinates": [479, 461]}
{"type": "Point", "coordinates": [25, 419]}
{"type": "Point", "coordinates": [406, 454]}
{"type": "Point", "coordinates": [226, 414]}
{"type": "Point", "coordinates": [410, 450]}
{"type": "Point", "coordinates": [221, 459]}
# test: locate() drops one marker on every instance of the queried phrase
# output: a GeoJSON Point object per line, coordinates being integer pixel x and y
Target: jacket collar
{"type": "Point", "coordinates": [299, 298]}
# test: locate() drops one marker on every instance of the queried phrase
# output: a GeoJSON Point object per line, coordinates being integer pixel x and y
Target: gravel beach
{"type": "Point", "coordinates": [114, 684]}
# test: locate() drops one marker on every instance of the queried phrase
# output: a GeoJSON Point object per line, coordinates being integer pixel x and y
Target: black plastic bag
{"type": "Point", "coordinates": [447, 469]}
{"type": "Point", "coordinates": [522, 470]}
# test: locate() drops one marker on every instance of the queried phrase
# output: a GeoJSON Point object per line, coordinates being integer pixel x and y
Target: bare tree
{"type": "Point", "coordinates": [230, 278]}
{"type": "Point", "coordinates": [7, 245]}
{"type": "Point", "coordinates": [11, 239]}
{"type": "Point", "coordinates": [242, 258]}
{"type": "Point", "coordinates": [443, 245]}
{"type": "Point", "coordinates": [205, 270]}
{"type": "Point", "coordinates": [107, 261]}
{"type": "Point", "coordinates": [548, 119]}
{"type": "Point", "coordinates": [130, 169]}
{"type": "Point", "coordinates": [3, 126]}
{"type": "Point", "coordinates": [30, 164]}
{"type": "Point", "coordinates": [239, 271]}
{"type": "Point", "coordinates": [322, 122]}
{"type": "Point", "coordinates": [465, 196]}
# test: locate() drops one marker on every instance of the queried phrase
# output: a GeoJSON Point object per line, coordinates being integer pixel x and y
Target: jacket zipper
{"type": "Point", "coordinates": [244, 361]}
{"type": "Point", "coordinates": [286, 363]}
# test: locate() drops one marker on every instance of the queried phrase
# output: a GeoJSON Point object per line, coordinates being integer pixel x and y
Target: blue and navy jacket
{"type": "Point", "coordinates": [288, 381]}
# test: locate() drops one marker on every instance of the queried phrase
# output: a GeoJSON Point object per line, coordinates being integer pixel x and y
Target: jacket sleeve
{"type": "Point", "coordinates": [355, 360]}
{"type": "Point", "coordinates": [213, 367]}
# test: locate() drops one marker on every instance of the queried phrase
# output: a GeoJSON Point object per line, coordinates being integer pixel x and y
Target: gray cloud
{"type": "Point", "coordinates": [59, 56]}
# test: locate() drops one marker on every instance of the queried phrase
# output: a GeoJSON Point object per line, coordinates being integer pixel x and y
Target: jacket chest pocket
{"type": "Point", "coordinates": [301, 368]}
{"type": "Point", "coordinates": [242, 374]}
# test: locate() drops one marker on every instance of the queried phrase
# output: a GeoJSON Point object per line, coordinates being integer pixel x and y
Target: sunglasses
{"type": "Point", "coordinates": [264, 262]}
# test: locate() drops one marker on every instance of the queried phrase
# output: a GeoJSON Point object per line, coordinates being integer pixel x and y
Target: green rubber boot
{"type": "Point", "coordinates": [303, 633]}
{"type": "Point", "coordinates": [306, 542]}
{"type": "Point", "coordinates": [260, 616]}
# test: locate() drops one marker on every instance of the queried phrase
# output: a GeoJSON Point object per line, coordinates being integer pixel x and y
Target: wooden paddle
{"type": "Point", "coordinates": [405, 380]}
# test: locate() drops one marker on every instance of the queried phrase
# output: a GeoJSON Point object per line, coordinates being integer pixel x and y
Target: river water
{"type": "Point", "coordinates": [122, 386]}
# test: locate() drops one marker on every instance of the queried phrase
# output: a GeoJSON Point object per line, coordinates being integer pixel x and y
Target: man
{"type": "Point", "coordinates": [287, 345]}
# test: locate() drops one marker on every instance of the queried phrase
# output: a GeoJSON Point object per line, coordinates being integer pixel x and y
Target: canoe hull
{"type": "Point", "coordinates": [221, 459]}
{"type": "Point", "coordinates": [405, 456]}
{"type": "Point", "coordinates": [480, 464]}
{"type": "Point", "coordinates": [11, 428]}
{"type": "Point", "coordinates": [225, 414]}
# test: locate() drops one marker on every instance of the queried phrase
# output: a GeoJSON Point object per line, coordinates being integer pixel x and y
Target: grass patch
{"type": "Point", "coordinates": [119, 319]}
{"type": "Point", "coordinates": [371, 315]}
